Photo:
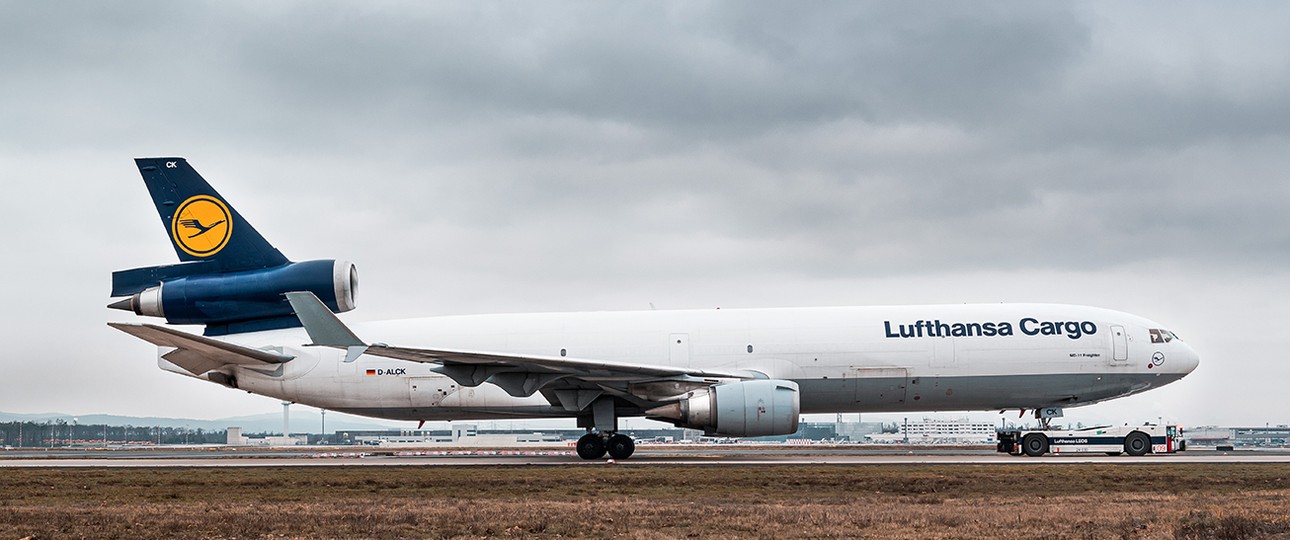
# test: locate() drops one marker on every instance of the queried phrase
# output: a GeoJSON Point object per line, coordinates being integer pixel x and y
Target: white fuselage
{"type": "Point", "coordinates": [845, 359]}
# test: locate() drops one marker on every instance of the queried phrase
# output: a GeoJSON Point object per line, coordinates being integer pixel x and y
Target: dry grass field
{"type": "Point", "coordinates": [620, 501]}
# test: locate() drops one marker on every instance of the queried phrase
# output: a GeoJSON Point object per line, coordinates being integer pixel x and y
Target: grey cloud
{"type": "Point", "coordinates": [701, 70]}
{"type": "Point", "coordinates": [491, 156]}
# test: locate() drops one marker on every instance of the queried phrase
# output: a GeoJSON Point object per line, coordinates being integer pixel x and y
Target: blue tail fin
{"type": "Point", "coordinates": [231, 279]}
{"type": "Point", "coordinates": [202, 226]}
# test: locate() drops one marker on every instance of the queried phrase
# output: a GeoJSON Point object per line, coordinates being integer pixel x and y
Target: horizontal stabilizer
{"type": "Point", "coordinates": [198, 354]}
{"type": "Point", "coordinates": [128, 282]}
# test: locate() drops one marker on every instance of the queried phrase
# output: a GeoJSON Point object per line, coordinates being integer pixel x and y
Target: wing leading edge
{"type": "Point", "coordinates": [519, 375]}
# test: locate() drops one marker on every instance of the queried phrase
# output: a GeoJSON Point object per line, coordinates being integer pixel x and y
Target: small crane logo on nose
{"type": "Point", "coordinates": [1157, 359]}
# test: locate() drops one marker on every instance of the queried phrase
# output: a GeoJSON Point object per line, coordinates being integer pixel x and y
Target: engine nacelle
{"type": "Point", "coordinates": [221, 299]}
{"type": "Point", "coordinates": [742, 409]}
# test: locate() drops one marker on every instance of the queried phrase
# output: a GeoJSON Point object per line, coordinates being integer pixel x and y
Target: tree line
{"type": "Point", "coordinates": [64, 433]}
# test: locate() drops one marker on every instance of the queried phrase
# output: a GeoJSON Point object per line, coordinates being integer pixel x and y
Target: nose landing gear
{"type": "Point", "coordinates": [1046, 416]}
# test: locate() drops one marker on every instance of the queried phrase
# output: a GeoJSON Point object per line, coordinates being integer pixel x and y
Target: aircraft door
{"type": "Point", "coordinates": [430, 391]}
{"type": "Point", "coordinates": [1119, 344]}
{"type": "Point", "coordinates": [679, 349]}
{"type": "Point", "coordinates": [877, 388]}
{"type": "Point", "coordinates": [943, 353]}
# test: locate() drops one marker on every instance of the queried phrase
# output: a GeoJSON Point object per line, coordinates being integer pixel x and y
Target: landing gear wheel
{"type": "Point", "coordinates": [591, 446]}
{"type": "Point", "coordinates": [621, 446]}
{"type": "Point", "coordinates": [1137, 444]}
{"type": "Point", "coordinates": [1034, 444]}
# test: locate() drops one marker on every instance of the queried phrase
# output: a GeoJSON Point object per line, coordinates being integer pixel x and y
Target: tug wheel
{"type": "Point", "coordinates": [1137, 444]}
{"type": "Point", "coordinates": [1034, 444]}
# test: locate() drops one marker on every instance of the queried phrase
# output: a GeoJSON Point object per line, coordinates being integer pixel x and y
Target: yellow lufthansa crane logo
{"type": "Point", "coordinates": [202, 226]}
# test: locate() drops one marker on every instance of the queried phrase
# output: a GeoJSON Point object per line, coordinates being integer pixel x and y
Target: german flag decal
{"type": "Point", "coordinates": [371, 372]}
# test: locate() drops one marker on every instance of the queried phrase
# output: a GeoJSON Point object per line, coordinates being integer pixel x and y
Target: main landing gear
{"type": "Point", "coordinates": [602, 433]}
{"type": "Point", "coordinates": [595, 444]}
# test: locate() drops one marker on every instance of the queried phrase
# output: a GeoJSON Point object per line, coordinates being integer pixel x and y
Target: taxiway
{"type": "Point", "coordinates": [644, 458]}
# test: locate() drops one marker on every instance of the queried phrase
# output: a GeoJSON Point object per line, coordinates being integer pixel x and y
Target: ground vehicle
{"type": "Point", "coordinates": [1112, 440]}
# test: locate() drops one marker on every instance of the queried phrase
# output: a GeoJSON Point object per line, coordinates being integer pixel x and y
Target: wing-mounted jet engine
{"type": "Point", "coordinates": [741, 409]}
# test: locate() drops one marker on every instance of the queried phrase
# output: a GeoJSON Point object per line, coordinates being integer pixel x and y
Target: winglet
{"type": "Point", "coordinates": [323, 326]}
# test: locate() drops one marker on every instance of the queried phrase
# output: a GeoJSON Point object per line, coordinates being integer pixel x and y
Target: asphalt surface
{"type": "Point", "coordinates": [716, 455]}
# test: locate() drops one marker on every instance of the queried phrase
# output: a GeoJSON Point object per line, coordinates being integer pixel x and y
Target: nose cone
{"type": "Point", "coordinates": [1187, 360]}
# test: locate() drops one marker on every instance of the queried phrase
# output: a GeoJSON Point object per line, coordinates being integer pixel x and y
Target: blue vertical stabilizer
{"type": "Point", "coordinates": [202, 226]}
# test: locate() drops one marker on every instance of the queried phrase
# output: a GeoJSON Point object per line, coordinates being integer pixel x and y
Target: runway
{"type": "Point", "coordinates": [694, 457]}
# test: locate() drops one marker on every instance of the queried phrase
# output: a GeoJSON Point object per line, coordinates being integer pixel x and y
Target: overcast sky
{"type": "Point", "coordinates": [480, 157]}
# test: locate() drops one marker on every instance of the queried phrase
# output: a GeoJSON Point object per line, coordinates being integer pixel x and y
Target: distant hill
{"type": "Point", "coordinates": [302, 421]}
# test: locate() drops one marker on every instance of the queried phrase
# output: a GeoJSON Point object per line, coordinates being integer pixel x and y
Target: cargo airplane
{"type": "Point", "coordinates": [271, 329]}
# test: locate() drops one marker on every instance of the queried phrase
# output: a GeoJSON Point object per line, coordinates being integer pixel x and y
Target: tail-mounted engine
{"type": "Point", "coordinates": [235, 301]}
{"type": "Point", "coordinates": [742, 409]}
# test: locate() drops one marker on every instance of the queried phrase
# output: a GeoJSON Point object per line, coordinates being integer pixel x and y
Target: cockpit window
{"type": "Point", "coordinates": [1159, 335]}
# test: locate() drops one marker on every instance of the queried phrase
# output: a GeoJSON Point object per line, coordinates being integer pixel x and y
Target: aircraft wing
{"type": "Point", "coordinates": [478, 366]}
{"type": "Point", "coordinates": [199, 354]}
{"type": "Point", "coordinates": [519, 374]}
